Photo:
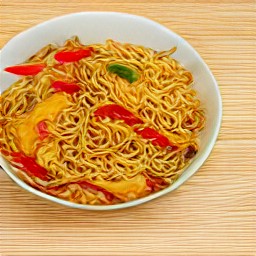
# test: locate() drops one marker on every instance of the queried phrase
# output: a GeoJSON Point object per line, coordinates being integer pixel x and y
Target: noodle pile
{"type": "Point", "coordinates": [105, 152]}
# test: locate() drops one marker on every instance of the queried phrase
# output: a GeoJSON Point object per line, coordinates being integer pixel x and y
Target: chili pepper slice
{"type": "Point", "coordinates": [124, 72]}
{"type": "Point", "coordinates": [156, 138]}
{"type": "Point", "coordinates": [115, 111]}
{"type": "Point", "coordinates": [71, 56]}
{"type": "Point", "coordinates": [26, 70]}
{"type": "Point", "coordinates": [60, 86]}
{"type": "Point", "coordinates": [42, 130]}
{"type": "Point", "coordinates": [29, 165]}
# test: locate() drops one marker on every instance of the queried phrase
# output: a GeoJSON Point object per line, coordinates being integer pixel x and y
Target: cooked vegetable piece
{"type": "Point", "coordinates": [136, 186]}
{"type": "Point", "coordinates": [47, 110]}
{"type": "Point", "coordinates": [29, 165]}
{"type": "Point", "coordinates": [85, 184]}
{"type": "Point", "coordinates": [155, 137]}
{"type": "Point", "coordinates": [190, 152]}
{"type": "Point", "coordinates": [42, 130]}
{"type": "Point", "coordinates": [69, 88]}
{"type": "Point", "coordinates": [124, 72]}
{"type": "Point", "coordinates": [115, 111]}
{"type": "Point", "coordinates": [72, 56]}
{"type": "Point", "coordinates": [26, 69]}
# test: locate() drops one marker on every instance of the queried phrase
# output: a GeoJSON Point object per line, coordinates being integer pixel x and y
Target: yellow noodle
{"type": "Point", "coordinates": [81, 147]}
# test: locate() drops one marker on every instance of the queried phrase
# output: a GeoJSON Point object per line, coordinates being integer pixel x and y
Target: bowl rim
{"type": "Point", "coordinates": [172, 187]}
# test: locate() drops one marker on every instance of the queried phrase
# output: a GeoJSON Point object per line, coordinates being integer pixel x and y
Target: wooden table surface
{"type": "Point", "coordinates": [214, 213]}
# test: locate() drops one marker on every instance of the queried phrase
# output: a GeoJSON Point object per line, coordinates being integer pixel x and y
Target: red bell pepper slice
{"type": "Point", "coordinates": [42, 130]}
{"type": "Point", "coordinates": [69, 88]}
{"type": "Point", "coordinates": [115, 111]}
{"type": "Point", "coordinates": [71, 56]}
{"type": "Point", "coordinates": [156, 138]}
{"type": "Point", "coordinates": [29, 165]}
{"type": "Point", "coordinates": [26, 70]}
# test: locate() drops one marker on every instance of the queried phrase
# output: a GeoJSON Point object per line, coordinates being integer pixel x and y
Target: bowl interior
{"type": "Point", "coordinates": [96, 27]}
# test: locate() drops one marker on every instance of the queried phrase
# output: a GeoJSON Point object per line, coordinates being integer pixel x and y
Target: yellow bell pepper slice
{"type": "Point", "coordinates": [125, 189]}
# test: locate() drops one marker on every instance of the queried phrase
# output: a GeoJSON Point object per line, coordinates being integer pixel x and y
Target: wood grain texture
{"type": "Point", "coordinates": [214, 213]}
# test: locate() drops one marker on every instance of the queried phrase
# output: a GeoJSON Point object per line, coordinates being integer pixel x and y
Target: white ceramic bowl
{"type": "Point", "coordinates": [96, 27]}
